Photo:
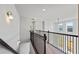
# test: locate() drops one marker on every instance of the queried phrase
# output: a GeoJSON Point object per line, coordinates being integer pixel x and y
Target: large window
{"type": "Point", "coordinates": [69, 26]}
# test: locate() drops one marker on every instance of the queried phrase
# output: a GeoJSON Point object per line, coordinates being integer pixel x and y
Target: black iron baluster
{"type": "Point", "coordinates": [76, 45]}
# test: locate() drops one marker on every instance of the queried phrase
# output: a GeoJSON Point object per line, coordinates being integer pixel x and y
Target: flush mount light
{"type": "Point", "coordinates": [9, 16]}
{"type": "Point", "coordinates": [43, 9]}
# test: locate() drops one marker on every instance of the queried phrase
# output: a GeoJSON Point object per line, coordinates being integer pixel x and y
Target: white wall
{"type": "Point", "coordinates": [25, 29]}
{"type": "Point", "coordinates": [9, 32]}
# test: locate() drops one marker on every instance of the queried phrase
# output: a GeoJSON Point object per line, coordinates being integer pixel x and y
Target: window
{"type": "Point", "coordinates": [69, 26]}
{"type": "Point", "coordinates": [60, 27]}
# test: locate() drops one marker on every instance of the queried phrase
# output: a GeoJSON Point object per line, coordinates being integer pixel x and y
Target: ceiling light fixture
{"type": "Point", "coordinates": [43, 9]}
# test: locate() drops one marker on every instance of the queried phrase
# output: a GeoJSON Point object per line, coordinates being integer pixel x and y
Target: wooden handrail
{"type": "Point", "coordinates": [3, 43]}
{"type": "Point", "coordinates": [58, 33]}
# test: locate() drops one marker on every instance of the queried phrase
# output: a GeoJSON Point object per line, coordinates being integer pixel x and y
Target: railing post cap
{"type": "Point", "coordinates": [45, 36]}
{"type": "Point", "coordinates": [48, 31]}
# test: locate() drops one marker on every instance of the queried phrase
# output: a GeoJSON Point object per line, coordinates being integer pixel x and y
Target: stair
{"type": "Point", "coordinates": [4, 47]}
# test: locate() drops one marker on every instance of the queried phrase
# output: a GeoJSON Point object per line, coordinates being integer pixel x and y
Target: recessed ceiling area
{"type": "Point", "coordinates": [47, 11]}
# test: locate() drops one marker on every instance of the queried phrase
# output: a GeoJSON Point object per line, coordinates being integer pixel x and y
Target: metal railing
{"type": "Point", "coordinates": [67, 43]}
{"type": "Point", "coordinates": [38, 42]}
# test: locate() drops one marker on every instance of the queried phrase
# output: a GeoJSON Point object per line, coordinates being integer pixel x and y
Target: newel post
{"type": "Point", "coordinates": [45, 38]}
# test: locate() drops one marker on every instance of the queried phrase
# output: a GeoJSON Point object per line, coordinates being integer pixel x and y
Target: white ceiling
{"type": "Point", "coordinates": [53, 11]}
